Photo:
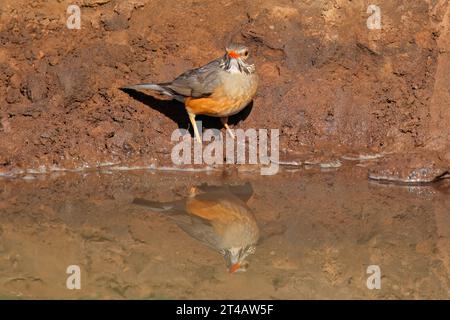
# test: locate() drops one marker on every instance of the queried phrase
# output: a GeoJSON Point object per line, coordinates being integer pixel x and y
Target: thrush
{"type": "Point", "coordinates": [221, 88]}
{"type": "Point", "coordinates": [218, 217]}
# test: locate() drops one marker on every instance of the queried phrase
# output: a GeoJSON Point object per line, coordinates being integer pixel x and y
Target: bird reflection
{"type": "Point", "coordinates": [218, 217]}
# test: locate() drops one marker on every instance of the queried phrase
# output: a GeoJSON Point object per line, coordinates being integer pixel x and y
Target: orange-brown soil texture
{"type": "Point", "coordinates": [330, 84]}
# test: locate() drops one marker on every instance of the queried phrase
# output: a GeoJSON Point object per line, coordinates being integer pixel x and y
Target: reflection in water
{"type": "Point", "coordinates": [217, 217]}
{"type": "Point", "coordinates": [318, 232]}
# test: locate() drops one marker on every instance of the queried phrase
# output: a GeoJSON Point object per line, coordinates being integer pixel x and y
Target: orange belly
{"type": "Point", "coordinates": [221, 214]}
{"type": "Point", "coordinates": [218, 104]}
{"type": "Point", "coordinates": [215, 108]}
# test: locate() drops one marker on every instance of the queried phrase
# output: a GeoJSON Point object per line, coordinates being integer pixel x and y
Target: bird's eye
{"type": "Point", "coordinates": [245, 53]}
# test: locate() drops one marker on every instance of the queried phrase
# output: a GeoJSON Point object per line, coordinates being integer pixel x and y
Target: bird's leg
{"type": "Point", "coordinates": [225, 124]}
{"type": "Point", "coordinates": [193, 191]}
{"type": "Point", "coordinates": [194, 124]}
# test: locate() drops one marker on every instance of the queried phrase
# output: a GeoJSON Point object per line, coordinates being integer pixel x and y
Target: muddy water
{"type": "Point", "coordinates": [163, 235]}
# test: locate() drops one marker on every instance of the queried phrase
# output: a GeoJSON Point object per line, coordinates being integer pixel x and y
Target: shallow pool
{"type": "Point", "coordinates": [153, 235]}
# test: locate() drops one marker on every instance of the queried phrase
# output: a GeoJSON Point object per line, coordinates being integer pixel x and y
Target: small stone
{"type": "Point", "coordinates": [12, 95]}
{"type": "Point", "coordinates": [35, 87]}
{"type": "Point", "coordinates": [53, 60]}
{"type": "Point", "coordinates": [94, 3]}
{"type": "Point", "coordinates": [15, 81]}
{"type": "Point", "coordinates": [409, 169]}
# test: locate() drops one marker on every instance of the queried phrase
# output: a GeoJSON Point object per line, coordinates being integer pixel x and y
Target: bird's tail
{"type": "Point", "coordinates": [166, 207]}
{"type": "Point", "coordinates": [161, 88]}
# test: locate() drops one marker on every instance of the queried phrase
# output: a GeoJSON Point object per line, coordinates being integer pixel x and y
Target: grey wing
{"type": "Point", "coordinates": [199, 82]}
{"type": "Point", "coordinates": [193, 226]}
{"type": "Point", "coordinates": [200, 230]}
{"type": "Point", "coordinates": [242, 191]}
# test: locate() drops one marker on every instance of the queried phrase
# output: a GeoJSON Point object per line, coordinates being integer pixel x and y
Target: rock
{"type": "Point", "coordinates": [119, 18]}
{"type": "Point", "coordinates": [12, 95]}
{"type": "Point", "coordinates": [409, 169]}
{"type": "Point", "coordinates": [75, 80]}
{"type": "Point", "coordinates": [94, 3]}
{"type": "Point", "coordinates": [122, 140]}
{"type": "Point", "coordinates": [35, 87]}
{"type": "Point", "coordinates": [15, 81]}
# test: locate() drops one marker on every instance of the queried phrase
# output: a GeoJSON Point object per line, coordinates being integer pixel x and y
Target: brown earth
{"type": "Point", "coordinates": [328, 82]}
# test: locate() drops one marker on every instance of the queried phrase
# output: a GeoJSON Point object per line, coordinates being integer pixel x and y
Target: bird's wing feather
{"type": "Point", "coordinates": [199, 82]}
{"type": "Point", "coordinates": [196, 227]}
{"type": "Point", "coordinates": [201, 230]}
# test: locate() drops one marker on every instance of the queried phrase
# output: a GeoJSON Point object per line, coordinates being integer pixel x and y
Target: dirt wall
{"type": "Point", "coordinates": [328, 82]}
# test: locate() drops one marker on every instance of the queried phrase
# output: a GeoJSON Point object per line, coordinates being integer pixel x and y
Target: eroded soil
{"type": "Point", "coordinates": [328, 82]}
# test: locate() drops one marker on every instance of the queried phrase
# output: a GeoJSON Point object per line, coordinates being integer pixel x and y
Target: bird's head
{"type": "Point", "coordinates": [235, 58]}
{"type": "Point", "coordinates": [235, 258]}
{"type": "Point", "coordinates": [237, 51]}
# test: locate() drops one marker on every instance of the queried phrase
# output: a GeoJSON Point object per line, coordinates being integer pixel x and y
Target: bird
{"type": "Point", "coordinates": [221, 88]}
{"type": "Point", "coordinates": [218, 217]}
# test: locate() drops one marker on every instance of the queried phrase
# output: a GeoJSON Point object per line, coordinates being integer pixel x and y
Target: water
{"type": "Point", "coordinates": [315, 233]}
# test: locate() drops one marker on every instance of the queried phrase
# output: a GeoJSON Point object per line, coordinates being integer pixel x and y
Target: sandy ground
{"type": "Point", "coordinates": [328, 82]}
{"type": "Point", "coordinates": [319, 233]}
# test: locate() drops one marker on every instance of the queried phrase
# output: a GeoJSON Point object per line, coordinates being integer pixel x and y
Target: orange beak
{"type": "Point", "coordinates": [234, 267]}
{"type": "Point", "coordinates": [233, 54]}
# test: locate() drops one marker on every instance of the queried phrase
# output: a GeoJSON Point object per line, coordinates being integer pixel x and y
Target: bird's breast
{"type": "Point", "coordinates": [239, 89]}
{"type": "Point", "coordinates": [233, 94]}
